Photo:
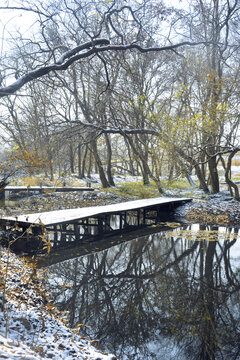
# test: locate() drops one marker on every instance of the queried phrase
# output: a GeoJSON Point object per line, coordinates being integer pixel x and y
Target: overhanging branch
{"type": "Point", "coordinates": [82, 52]}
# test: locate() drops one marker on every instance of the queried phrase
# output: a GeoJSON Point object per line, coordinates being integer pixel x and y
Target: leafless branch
{"type": "Point", "coordinates": [78, 53]}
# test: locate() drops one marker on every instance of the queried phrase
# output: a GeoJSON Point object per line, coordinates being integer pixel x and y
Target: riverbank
{"type": "Point", "coordinates": [31, 328]}
{"type": "Point", "coordinates": [219, 209]}
{"type": "Point", "coordinates": [214, 212]}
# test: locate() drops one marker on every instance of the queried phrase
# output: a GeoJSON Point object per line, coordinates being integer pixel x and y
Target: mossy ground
{"type": "Point", "coordinates": [141, 191]}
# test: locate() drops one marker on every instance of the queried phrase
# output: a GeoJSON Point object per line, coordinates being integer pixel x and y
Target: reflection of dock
{"type": "Point", "coordinates": [41, 189]}
{"type": "Point", "coordinates": [70, 226]}
{"type": "Point", "coordinates": [57, 255]}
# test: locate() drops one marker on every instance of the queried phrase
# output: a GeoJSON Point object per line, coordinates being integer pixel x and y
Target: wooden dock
{"type": "Point", "coordinates": [74, 215]}
{"type": "Point", "coordinates": [70, 226]}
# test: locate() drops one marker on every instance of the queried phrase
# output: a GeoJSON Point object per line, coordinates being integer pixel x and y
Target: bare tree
{"type": "Point", "coordinates": [117, 27]}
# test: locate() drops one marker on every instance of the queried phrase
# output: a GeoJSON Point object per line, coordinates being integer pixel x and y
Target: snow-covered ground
{"type": "Point", "coordinates": [30, 327]}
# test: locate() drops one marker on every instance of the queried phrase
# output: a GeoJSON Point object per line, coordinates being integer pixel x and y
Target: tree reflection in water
{"type": "Point", "coordinates": [158, 296]}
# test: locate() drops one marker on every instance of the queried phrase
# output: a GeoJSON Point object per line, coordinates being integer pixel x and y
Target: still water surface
{"type": "Point", "coordinates": [169, 295]}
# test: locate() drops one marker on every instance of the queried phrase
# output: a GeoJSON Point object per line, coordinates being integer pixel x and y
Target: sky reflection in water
{"type": "Point", "coordinates": [161, 296]}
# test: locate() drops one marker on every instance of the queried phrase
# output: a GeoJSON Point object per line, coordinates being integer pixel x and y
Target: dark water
{"type": "Point", "coordinates": [169, 295]}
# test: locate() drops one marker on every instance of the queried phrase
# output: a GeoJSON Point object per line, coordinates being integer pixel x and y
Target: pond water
{"type": "Point", "coordinates": [169, 295]}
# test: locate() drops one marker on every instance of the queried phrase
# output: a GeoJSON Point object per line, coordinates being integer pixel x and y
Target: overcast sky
{"type": "Point", "coordinates": [13, 23]}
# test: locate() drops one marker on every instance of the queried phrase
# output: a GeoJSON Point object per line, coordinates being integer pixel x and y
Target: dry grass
{"type": "Point", "coordinates": [29, 181]}
{"type": "Point", "coordinates": [236, 162]}
{"type": "Point", "coordinates": [35, 181]}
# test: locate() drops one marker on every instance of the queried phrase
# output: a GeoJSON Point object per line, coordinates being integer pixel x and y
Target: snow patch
{"type": "Point", "coordinates": [30, 327]}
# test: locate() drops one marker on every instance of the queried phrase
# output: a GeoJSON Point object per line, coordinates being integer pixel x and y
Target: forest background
{"type": "Point", "coordinates": [141, 87]}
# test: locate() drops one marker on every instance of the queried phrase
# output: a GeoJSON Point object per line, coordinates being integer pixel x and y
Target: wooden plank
{"type": "Point", "coordinates": [73, 215]}
{"type": "Point", "coordinates": [47, 188]}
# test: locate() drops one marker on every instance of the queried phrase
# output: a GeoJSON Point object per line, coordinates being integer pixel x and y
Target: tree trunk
{"type": "Point", "coordinates": [132, 170]}
{"type": "Point", "coordinates": [170, 172]}
{"type": "Point", "coordinates": [214, 179]}
{"type": "Point", "coordinates": [139, 155]}
{"type": "Point", "coordinates": [230, 183]}
{"type": "Point", "coordinates": [89, 165]}
{"type": "Point", "coordinates": [84, 163]}
{"type": "Point", "coordinates": [79, 161]}
{"type": "Point", "coordinates": [146, 169]}
{"type": "Point", "coordinates": [201, 178]}
{"type": "Point", "coordinates": [51, 170]}
{"type": "Point", "coordinates": [50, 163]}
{"type": "Point", "coordinates": [189, 178]}
{"type": "Point", "coordinates": [109, 161]}
{"type": "Point", "coordinates": [145, 174]}
{"type": "Point", "coordinates": [71, 157]}
{"type": "Point", "coordinates": [102, 176]}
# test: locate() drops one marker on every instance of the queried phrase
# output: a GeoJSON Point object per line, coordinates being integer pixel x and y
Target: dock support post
{"type": "Point", "coordinates": [125, 219]}
{"type": "Point", "coordinates": [2, 195]}
{"type": "Point", "coordinates": [76, 233]}
{"type": "Point", "coordinates": [144, 216]}
{"type": "Point", "coordinates": [100, 226]}
{"type": "Point", "coordinates": [158, 215]}
{"type": "Point", "coordinates": [138, 217]}
{"type": "Point", "coordinates": [86, 227]}
{"type": "Point", "coordinates": [55, 236]}
{"type": "Point", "coordinates": [107, 223]}
{"type": "Point", "coordinates": [63, 233]}
{"type": "Point", "coordinates": [120, 221]}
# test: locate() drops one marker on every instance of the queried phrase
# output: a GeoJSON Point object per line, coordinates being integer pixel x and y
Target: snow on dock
{"type": "Point", "coordinates": [74, 215]}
